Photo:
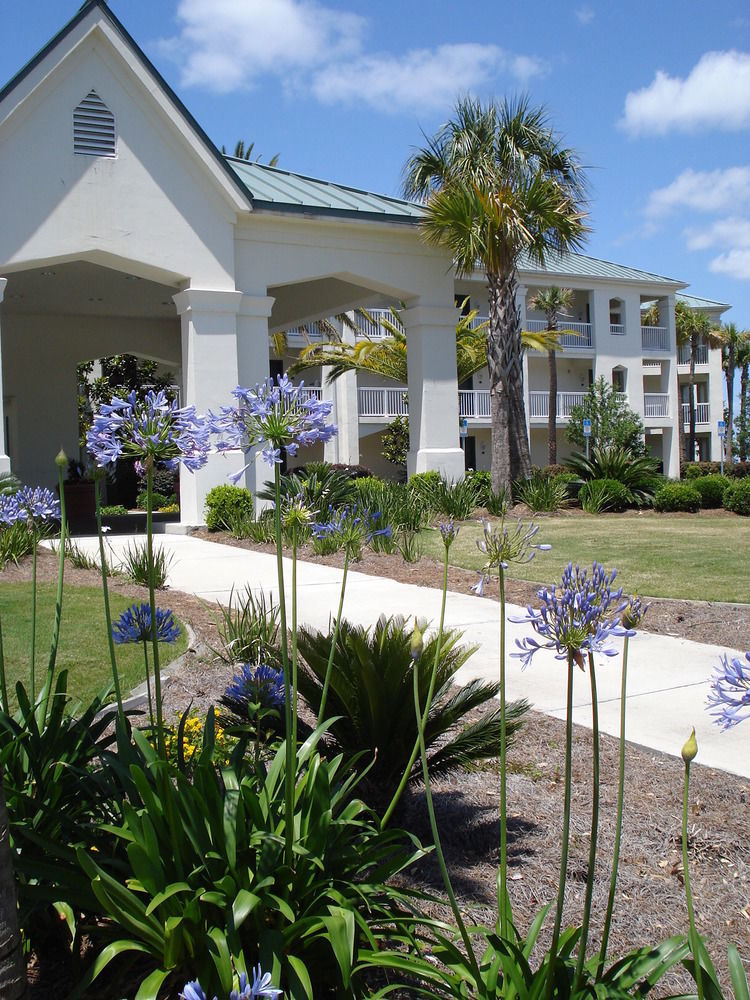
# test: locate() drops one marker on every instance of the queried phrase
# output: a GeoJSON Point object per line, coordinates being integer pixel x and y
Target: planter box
{"type": "Point", "coordinates": [134, 522]}
{"type": "Point", "coordinates": [80, 506]}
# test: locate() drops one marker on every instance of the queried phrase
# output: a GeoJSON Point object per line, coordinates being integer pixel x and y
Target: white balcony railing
{"type": "Point", "coordinates": [702, 413]}
{"type": "Point", "coordinates": [581, 336]}
{"type": "Point", "coordinates": [374, 328]}
{"type": "Point", "coordinates": [654, 338]}
{"type": "Point", "coordinates": [656, 404]}
{"type": "Point", "coordinates": [312, 392]}
{"type": "Point", "coordinates": [474, 403]}
{"type": "Point", "coordinates": [701, 355]}
{"type": "Point", "coordinates": [539, 403]}
{"type": "Point", "coordinates": [618, 329]}
{"type": "Point", "coordinates": [383, 403]}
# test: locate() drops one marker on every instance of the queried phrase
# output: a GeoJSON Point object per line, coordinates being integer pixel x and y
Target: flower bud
{"type": "Point", "coordinates": [61, 459]}
{"type": "Point", "coordinates": [690, 749]}
{"type": "Point", "coordinates": [417, 642]}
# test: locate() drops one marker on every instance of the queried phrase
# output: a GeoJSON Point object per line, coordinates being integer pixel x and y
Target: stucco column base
{"type": "Point", "coordinates": [449, 462]}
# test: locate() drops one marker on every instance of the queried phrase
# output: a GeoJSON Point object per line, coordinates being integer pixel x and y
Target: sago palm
{"type": "Point", "coordinates": [552, 301]}
{"type": "Point", "coordinates": [498, 183]}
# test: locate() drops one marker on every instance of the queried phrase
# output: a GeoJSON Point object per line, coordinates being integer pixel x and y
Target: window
{"type": "Point", "coordinates": [619, 379]}
{"type": "Point", "coordinates": [94, 127]}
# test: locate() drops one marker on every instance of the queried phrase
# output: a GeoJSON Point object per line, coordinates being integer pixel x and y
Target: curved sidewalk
{"type": "Point", "coordinates": [667, 676]}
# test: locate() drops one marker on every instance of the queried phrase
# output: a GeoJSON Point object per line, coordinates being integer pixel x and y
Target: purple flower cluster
{"type": "Point", "coordinates": [259, 684]}
{"type": "Point", "coordinates": [449, 530]}
{"type": "Point", "coordinates": [134, 625]}
{"type": "Point", "coordinates": [504, 545]}
{"type": "Point", "coordinates": [152, 430]}
{"type": "Point", "coordinates": [351, 528]}
{"type": "Point", "coordinates": [730, 691]}
{"type": "Point", "coordinates": [30, 505]}
{"type": "Point", "coordinates": [277, 415]}
{"type": "Point", "coordinates": [259, 987]}
{"type": "Point", "coordinates": [583, 613]}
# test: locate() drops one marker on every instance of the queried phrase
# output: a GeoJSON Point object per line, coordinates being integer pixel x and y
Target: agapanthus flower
{"type": "Point", "coordinates": [154, 430]}
{"type": "Point", "coordinates": [449, 530]}
{"type": "Point", "coordinates": [259, 684]}
{"type": "Point", "coordinates": [295, 512]}
{"type": "Point", "coordinates": [134, 625]}
{"type": "Point", "coordinates": [193, 991]}
{"type": "Point", "coordinates": [351, 528]}
{"type": "Point", "coordinates": [502, 545]}
{"type": "Point", "coordinates": [259, 987]}
{"type": "Point", "coordinates": [634, 612]}
{"type": "Point", "coordinates": [9, 510]}
{"type": "Point", "coordinates": [277, 415]}
{"type": "Point", "coordinates": [581, 614]}
{"type": "Point", "coordinates": [34, 505]}
{"type": "Point", "coordinates": [478, 587]}
{"type": "Point", "coordinates": [729, 699]}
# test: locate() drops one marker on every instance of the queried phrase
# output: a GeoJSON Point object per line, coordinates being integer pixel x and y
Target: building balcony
{"type": "Point", "coordinates": [655, 338]}
{"type": "Point", "coordinates": [312, 392]}
{"type": "Point", "coordinates": [474, 403]}
{"type": "Point", "coordinates": [580, 337]}
{"type": "Point", "coordinates": [683, 356]}
{"type": "Point", "coordinates": [702, 413]}
{"type": "Point", "coordinates": [382, 404]}
{"type": "Point", "coordinates": [539, 404]}
{"type": "Point", "coordinates": [656, 404]}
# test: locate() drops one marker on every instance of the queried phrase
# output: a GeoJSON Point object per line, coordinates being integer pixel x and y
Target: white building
{"type": "Point", "coordinates": [126, 230]}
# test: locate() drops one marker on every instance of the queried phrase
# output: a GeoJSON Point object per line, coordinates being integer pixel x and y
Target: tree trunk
{"type": "Point", "coordinates": [501, 473]}
{"type": "Point", "coordinates": [12, 969]}
{"type": "Point", "coordinates": [512, 359]}
{"type": "Point", "coordinates": [730, 404]}
{"type": "Point", "coordinates": [552, 407]}
{"type": "Point", "coordinates": [691, 411]}
{"type": "Point", "coordinates": [744, 379]}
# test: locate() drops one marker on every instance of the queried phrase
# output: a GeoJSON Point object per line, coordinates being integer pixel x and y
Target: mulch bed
{"type": "Point", "coordinates": [650, 897]}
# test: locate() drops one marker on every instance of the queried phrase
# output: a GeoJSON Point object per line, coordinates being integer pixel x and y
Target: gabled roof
{"type": "Point", "coordinates": [284, 191]}
{"type": "Point", "coordinates": [132, 45]}
{"type": "Point", "coordinates": [695, 302]}
{"type": "Point", "coordinates": [579, 265]}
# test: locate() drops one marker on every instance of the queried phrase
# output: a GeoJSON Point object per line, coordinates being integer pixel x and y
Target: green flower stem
{"type": "Point", "coordinates": [160, 744]}
{"type": "Point", "coordinates": [504, 899]}
{"type": "Point", "coordinates": [58, 599]}
{"type": "Point", "coordinates": [32, 653]}
{"type": "Point", "coordinates": [618, 821]}
{"type": "Point", "coordinates": [428, 703]}
{"type": "Point", "coordinates": [694, 939]}
{"type": "Point", "coordinates": [105, 589]}
{"type": "Point", "coordinates": [3, 679]}
{"type": "Point", "coordinates": [294, 640]}
{"type": "Point", "coordinates": [433, 822]}
{"type": "Point", "coordinates": [565, 833]}
{"type": "Point", "coordinates": [148, 686]}
{"type": "Point", "coordinates": [336, 628]}
{"type": "Point", "coordinates": [591, 876]}
{"type": "Point", "coordinates": [291, 763]}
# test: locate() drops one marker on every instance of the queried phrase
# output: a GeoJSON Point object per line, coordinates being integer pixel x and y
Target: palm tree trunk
{"type": "Point", "coordinates": [691, 432]}
{"type": "Point", "coordinates": [500, 447]}
{"type": "Point", "coordinates": [12, 970]}
{"type": "Point", "coordinates": [552, 408]}
{"type": "Point", "coordinates": [520, 456]}
{"type": "Point", "coordinates": [744, 380]}
{"type": "Point", "coordinates": [730, 404]}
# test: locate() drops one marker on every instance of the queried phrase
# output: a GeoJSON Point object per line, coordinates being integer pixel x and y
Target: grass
{"type": "Point", "coordinates": [700, 558]}
{"type": "Point", "coordinates": [83, 648]}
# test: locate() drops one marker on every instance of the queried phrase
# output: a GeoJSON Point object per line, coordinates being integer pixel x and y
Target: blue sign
{"type": "Point", "coordinates": [586, 427]}
{"type": "Point", "coordinates": [722, 428]}
{"type": "Point", "coordinates": [463, 430]}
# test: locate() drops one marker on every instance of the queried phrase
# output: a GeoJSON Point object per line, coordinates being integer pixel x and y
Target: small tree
{"type": "Point", "coordinates": [120, 375]}
{"type": "Point", "coordinates": [612, 421]}
{"type": "Point", "coordinates": [396, 442]}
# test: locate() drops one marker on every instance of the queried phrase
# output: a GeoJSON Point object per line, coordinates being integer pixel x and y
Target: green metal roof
{"type": "Point", "coordinates": [697, 303]}
{"type": "Point", "coordinates": [579, 265]}
{"type": "Point", "coordinates": [281, 190]}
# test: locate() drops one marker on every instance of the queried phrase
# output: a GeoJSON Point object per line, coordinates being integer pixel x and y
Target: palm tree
{"type": "Point", "coordinates": [243, 152]}
{"type": "Point", "coordinates": [693, 327]}
{"type": "Point", "coordinates": [12, 970]}
{"type": "Point", "coordinates": [732, 343]}
{"type": "Point", "coordinates": [743, 430]}
{"type": "Point", "coordinates": [497, 182]}
{"type": "Point", "coordinates": [552, 301]}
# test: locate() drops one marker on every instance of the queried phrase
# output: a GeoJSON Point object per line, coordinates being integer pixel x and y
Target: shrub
{"type": "Point", "coordinates": [456, 500]}
{"type": "Point", "coordinates": [225, 505]}
{"type": "Point", "coordinates": [158, 500]}
{"type": "Point", "coordinates": [171, 508]}
{"type": "Point", "coordinates": [613, 423]}
{"type": "Point", "coordinates": [423, 485]}
{"type": "Point", "coordinates": [711, 489]}
{"type": "Point", "coordinates": [600, 495]}
{"type": "Point", "coordinates": [352, 471]}
{"type": "Point", "coordinates": [398, 506]}
{"type": "Point", "coordinates": [135, 565]}
{"type": "Point", "coordinates": [482, 479]}
{"type": "Point", "coordinates": [675, 496]}
{"type": "Point", "coordinates": [738, 470]}
{"type": "Point", "coordinates": [694, 470]}
{"type": "Point", "coordinates": [322, 488]}
{"type": "Point", "coordinates": [249, 629]}
{"type": "Point", "coordinates": [166, 481]}
{"type": "Point", "coordinates": [371, 699]}
{"type": "Point", "coordinates": [114, 510]}
{"type": "Point", "coordinates": [551, 471]}
{"type": "Point", "coordinates": [15, 543]}
{"type": "Point", "coordinates": [540, 493]}
{"type": "Point", "coordinates": [737, 497]}
{"type": "Point", "coordinates": [638, 474]}
{"type": "Point", "coordinates": [263, 530]}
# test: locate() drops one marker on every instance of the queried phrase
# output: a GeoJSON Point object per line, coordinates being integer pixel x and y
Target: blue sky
{"type": "Point", "coordinates": [655, 96]}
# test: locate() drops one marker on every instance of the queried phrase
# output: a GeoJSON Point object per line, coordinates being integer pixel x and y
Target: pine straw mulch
{"type": "Point", "coordinates": [650, 896]}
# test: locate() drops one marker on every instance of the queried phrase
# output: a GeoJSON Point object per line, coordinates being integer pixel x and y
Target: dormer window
{"type": "Point", "coordinates": [93, 127]}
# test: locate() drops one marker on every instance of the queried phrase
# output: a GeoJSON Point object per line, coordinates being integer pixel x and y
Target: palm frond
{"type": "Point", "coordinates": [478, 741]}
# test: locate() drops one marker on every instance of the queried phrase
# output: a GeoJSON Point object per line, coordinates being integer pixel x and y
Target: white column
{"type": "Point", "coordinates": [600, 332]}
{"type": "Point", "coordinates": [344, 447]}
{"type": "Point", "coordinates": [209, 373]}
{"type": "Point", "coordinates": [253, 368]}
{"type": "Point", "coordinates": [433, 391]}
{"type": "Point", "coordinates": [4, 460]}
{"type": "Point", "coordinates": [671, 441]}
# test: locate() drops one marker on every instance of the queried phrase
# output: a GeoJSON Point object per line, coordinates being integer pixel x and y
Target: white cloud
{"type": "Point", "coordinates": [420, 79]}
{"type": "Point", "coordinates": [733, 231]}
{"type": "Point", "coordinates": [735, 263]}
{"type": "Point", "coordinates": [585, 15]}
{"type": "Point", "coordinates": [228, 45]}
{"type": "Point", "coordinates": [715, 94]}
{"type": "Point", "coordinates": [705, 191]}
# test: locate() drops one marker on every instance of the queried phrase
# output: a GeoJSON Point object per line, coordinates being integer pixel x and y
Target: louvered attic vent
{"type": "Point", "coordinates": [93, 127]}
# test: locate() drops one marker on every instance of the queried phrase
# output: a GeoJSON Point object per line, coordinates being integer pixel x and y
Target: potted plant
{"type": "Point", "coordinates": [80, 498]}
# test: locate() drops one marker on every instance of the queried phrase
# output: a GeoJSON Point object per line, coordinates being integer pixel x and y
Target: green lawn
{"type": "Point", "coordinates": [702, 557]}
{"type": "Point", "coordinates": [83, 648]}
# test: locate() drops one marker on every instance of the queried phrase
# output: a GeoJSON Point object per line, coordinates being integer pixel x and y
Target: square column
{"type": "Point", "coordinates": [672, 441]}
{"type": "Point", "coordinates": [209, 373]}
{"type": "Point", "coordinates": [4, 459]}
{"type": "Point", "coordinates": [253, 367]}
{"type": "Point", "coordinates": [433, 391]}
{"type": "Point", "coordinates": [344, 446]}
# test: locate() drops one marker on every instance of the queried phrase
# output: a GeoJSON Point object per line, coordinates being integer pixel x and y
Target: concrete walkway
{"type": "Point", "coordinates": [667, 676]}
